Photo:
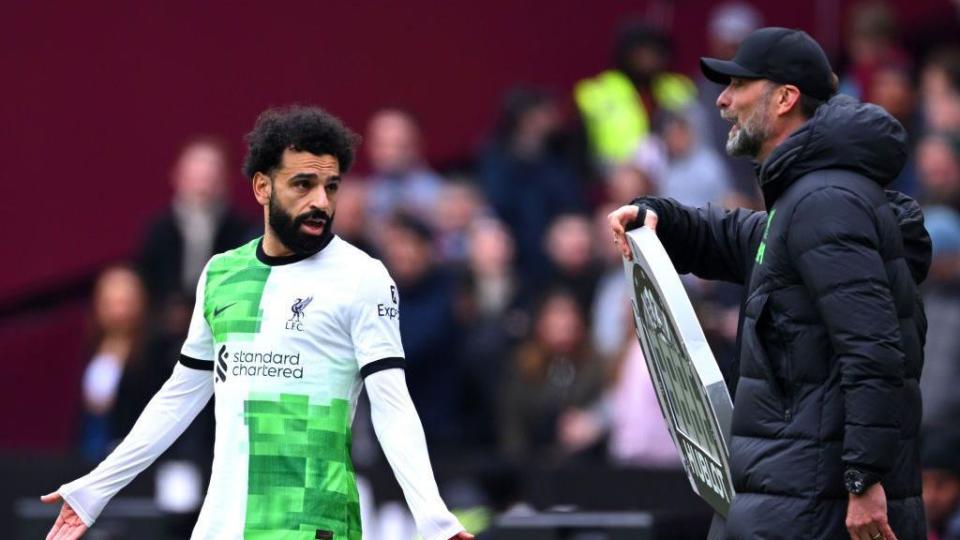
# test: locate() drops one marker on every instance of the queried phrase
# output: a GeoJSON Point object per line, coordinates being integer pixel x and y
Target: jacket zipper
{"type": "Point", "coordinates": [787, 380]}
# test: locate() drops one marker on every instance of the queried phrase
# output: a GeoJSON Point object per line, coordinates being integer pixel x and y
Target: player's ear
{"type": "Point", "coordinates": [262, 188]}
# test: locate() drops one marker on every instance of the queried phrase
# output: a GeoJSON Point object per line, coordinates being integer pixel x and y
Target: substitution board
{"type": "Point", "coordinates": [690, 388]}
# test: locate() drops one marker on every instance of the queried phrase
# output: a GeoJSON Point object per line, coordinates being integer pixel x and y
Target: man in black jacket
{"type": "Point", "coordinates": [198, 223]}
{"type": "Point", "coordinates": [827, 406]}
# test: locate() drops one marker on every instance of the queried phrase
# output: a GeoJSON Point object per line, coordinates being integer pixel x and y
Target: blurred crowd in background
{"type": "Point", "coordinates": [515, 318]}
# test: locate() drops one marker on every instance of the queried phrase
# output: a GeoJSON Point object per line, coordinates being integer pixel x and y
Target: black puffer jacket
{"type": "Point", "coordinates": [831, 340]}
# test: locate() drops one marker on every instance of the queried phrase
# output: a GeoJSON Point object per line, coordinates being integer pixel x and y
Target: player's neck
{"type": "Point", "coordinates": [272, 245]}
{"type": "Point", "coordinates": [273, 250]}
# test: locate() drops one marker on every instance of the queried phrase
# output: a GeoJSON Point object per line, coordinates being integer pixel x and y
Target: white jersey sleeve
{"type": "Point", "coordinates": [167, 415]}
{"type": "Point", "coordinates": [375, 321]}
{"type": "Point", "coordinates": [400, 433]}
{"type": "Point", "coordinates": [164, 419]}
{"type": "Point", "coordinates": [197, 349]}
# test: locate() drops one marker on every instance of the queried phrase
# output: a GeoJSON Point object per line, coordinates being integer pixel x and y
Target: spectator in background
{"type": "Point", "coordinates": [119, 311]}
{"type": "Point", "coordinates": [401, 180]}
{"type": "Point", "coordinates": [671, 169]}
{"type": "Point", "coordinates": [493, 286]}
{"type": "Point", "coordinates": [553, 372]}
{"type": "Point", "coordinates": [695, 174]}
{"type": "Point", "coordinates": [525, 176]}
{"type": "Point", "coordinates": [938, 163]}
{"type": "Point", "coordinates": [943, 223]}
{"type": "Point", "coordinates": [717, 305]}
{"type": "Point", "coordinates": [198, 224]}
{"type": "Point", "coordinates": [460, 203]}
{"type": "Point", "coordinates": [569, 245]}
{"type": "Point", "coordinates": [638, 432]}
{"type": "Point", "coordinates": [941, 299]}
{"type": "Point", "coordinates": [610, 321]}
{"type": "Point", "coordinates": [893, 88]}
{"type": "Point", "coordinates": [351, 222]}
{"type": "Point", "coordinates": [872, 44]}
{"type": "Point", "coordinates": [429, 327]}
{"type": "Point", "coordinates": [129, 365]}
{"type": "Point", "coordinates": [941, 484]}
{"type": "Point", "coordinates": [940, 91]}
{"type": "Point", "coordinates": [494, 306]}
{"type": "Point", "coordinates": [628, 413]}
{"type": "Point", "coordinates": [636, 178]}
{"type": "Point", "coordinates": [938, 168]}
{"type": "Point", "coordinates": [729, 23]}
{"type": "Point", "coordinates": [618, 107]}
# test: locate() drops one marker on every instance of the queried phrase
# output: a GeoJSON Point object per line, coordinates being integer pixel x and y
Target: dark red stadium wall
{"type": "Point", "coordinates": [97, 98]}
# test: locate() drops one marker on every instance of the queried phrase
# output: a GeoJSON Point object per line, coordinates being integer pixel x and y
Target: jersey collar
{"type": "Point", "coordinates": [281, 260]}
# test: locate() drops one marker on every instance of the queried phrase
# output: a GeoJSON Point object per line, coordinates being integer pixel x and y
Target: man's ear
{"type": "Point", "coordinates": [262, 188]}
{"type": "Point", "coordinates": [788, 99]}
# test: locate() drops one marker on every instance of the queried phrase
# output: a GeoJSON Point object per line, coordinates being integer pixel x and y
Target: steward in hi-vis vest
{"type": "Point", "coordinates": [614, 113]}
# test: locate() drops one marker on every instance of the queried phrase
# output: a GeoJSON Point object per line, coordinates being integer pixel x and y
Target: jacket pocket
{"type": "Point", "coordinates": [758, 316]}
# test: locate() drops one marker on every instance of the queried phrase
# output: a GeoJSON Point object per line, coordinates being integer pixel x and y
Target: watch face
{"type": "Point", "coordinates": [854, 482]}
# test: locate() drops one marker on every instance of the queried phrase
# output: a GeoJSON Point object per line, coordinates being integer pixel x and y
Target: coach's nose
{"type": "Point", "coordinates": [723, 100]}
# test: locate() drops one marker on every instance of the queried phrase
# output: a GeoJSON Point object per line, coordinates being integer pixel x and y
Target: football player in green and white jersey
{"type": "Point", "coordinates": [285, 332]}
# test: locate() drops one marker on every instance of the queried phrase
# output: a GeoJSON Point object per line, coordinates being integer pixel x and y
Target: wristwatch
{"type": "Point", "coordinates": [856, 481]}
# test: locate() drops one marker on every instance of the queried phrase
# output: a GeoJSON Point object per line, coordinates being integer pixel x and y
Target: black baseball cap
{"type": "Point", "coordinates": [781, 55]}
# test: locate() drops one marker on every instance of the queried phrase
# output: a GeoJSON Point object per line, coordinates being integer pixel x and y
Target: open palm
{"type": "Point", "coordinates": [68, 526]}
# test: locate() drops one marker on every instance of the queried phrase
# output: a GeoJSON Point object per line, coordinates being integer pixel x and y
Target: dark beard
{"type": "Point", "coordinates": [287, 229]}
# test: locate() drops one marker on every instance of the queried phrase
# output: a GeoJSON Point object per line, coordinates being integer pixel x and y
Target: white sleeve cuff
{"type": "Point", "coordinates": [67, 494]}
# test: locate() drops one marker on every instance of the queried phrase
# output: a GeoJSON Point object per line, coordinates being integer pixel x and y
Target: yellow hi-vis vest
{"type": "Point", "coordinates": [614, 115]}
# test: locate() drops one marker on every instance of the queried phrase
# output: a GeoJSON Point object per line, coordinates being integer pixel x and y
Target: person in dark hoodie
{"type": "Point", "coordinates": [827, 406]}
{"type": "Point", "coordinates": [429, 328]}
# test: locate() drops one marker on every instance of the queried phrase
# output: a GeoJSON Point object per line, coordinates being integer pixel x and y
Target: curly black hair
{"type": "Point", "coordinates": [300, 128]}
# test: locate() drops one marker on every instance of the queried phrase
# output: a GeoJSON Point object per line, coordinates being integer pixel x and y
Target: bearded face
{"type": "Point", "coordinates": [304, 234]}
{"type": "Point", "coordinates": [746, 104]}
{"type": "Point", "coordinates": [746, 136]}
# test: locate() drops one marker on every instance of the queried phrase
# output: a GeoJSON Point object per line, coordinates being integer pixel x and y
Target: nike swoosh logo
{"type": "Point", "coordinates": [219, 310]}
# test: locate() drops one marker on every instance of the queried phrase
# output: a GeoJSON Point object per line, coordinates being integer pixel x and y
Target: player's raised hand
{"type": "Point", "coordinates": [68, 526]}
{"type": "Point", "coordinates": [623, 216]}
{"type": "Point", "coordinates": [462, 535]}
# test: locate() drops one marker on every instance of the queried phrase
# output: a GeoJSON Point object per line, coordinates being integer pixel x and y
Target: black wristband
{"type": "Point", "coordinates": [641, 215]}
